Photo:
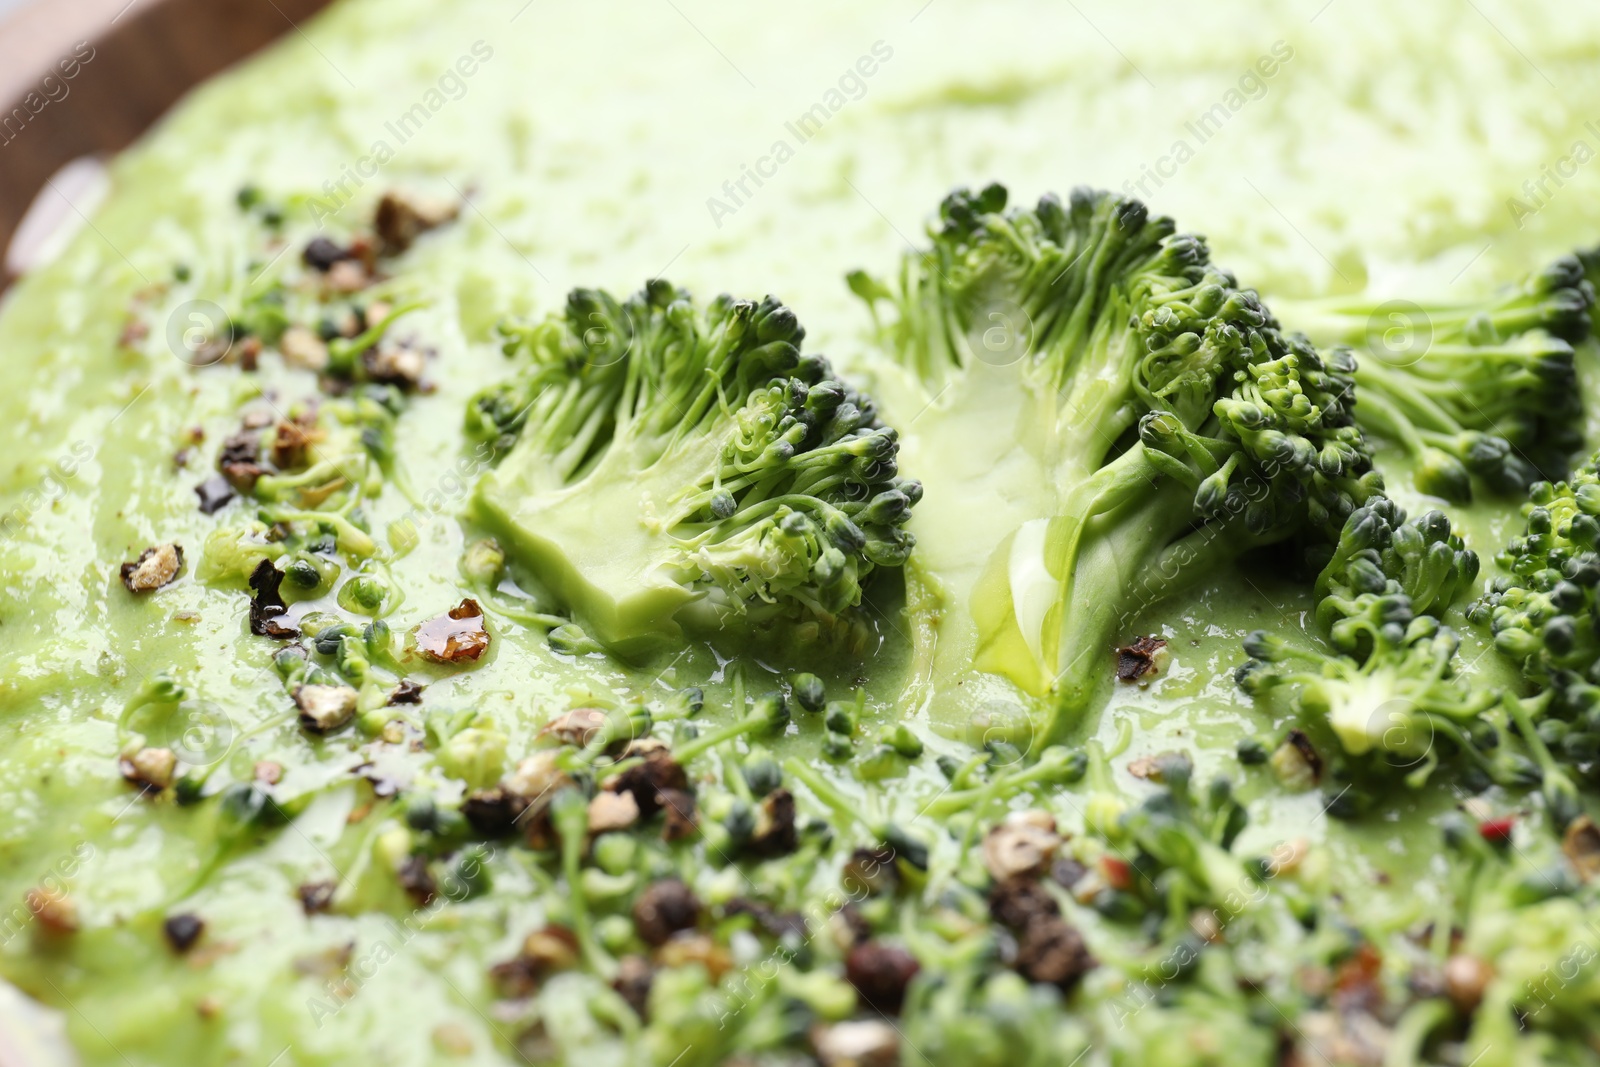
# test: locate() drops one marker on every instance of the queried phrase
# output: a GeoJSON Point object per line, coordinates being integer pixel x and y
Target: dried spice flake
{"type": "Point", "coordinates": [403, 216]}
{"type": "Point", "coordinates": [666, 908]}
{"type": "Point", "coordinates": [321, 254]}
{"type": "Point", "coordinates": [458, 636]}
{"type": "Point", "coordinates": [1051, 950]}
{"type": "Point", "coordinates": [214, 493]}
{"type": "Point", "coordinates": [415, 878]}
{"type": "Point", "coordinates": [183, 931]}
{"type": "Point", "coordinates": [156, 566]}
{"type": "Point", "coordinates": [240, 459]}
{"type": "Point", "coordinates": [1581, 843]}
{"type": "Point", "coordinates": [267, 604]}
{"type": "Point", "coordinates": [407, 692]}
{"type": "Point", "coordinates": [649, 780]}
{"type": "Point", "coordinates": [775, 833]}
{"type": "Point", "coordinates": [880, 974]}
{"type": "Point", "coordinates": [1141, 659]}
{"type": "Point", "coordinates": [612, 811]}
{"type": "Point", "coordinates": [303, 348]}
{"type": "Point", "coordinates": [56, 912]}
{"type": "Point", "coordinates": [399, 363]}
{"type": "Point", "coordinates": [634, 978]}
{"type": "Point", "coordinates": [1296, 762]}
{"type": "Point", "coordinates": [325, 707]}
{"type": "Point", "coordinates": [152, 768]}
{"type": "Point", "coordinates": [681, 818]}
{"type": "Point", "coordinates": [1019, 847]}
{"type": "Point", "coordinates": [856, 1043]}
{"type": "Point", "coordinates": [577, 727]}
{"type": "Point", "coordinates": [316, 897]}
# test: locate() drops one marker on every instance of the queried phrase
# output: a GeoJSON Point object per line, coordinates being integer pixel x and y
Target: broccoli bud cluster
{"type": "Point", "coordinates": [1283, 451]}
{"type": "Point", "coordinates": [1483, 391]}
{"type": "Point", "coordinates": [1542, 612]}
{"type": "Point", "coordinates": [1389, 684]}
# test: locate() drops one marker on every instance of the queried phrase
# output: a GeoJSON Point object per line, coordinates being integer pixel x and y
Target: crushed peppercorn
{"type": "Point", "coordinates": [183, 931]}
{"type": "Point", "coordinates": [156, 566]}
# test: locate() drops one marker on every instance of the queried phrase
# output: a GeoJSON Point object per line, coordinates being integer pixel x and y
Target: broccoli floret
{"type": "Point", "coordinates": [1542, 612]}
{"type": "Point", "coordinates": [1481, 390]}
{"type": "Point", "coordinates": [680, 466]}
{"type": "Point", "coordinates": [1379, 551]}
{"type": "Point", "coordinates": [1101, 416]}
{"type": "Point", "coordinates": [1389, 685]}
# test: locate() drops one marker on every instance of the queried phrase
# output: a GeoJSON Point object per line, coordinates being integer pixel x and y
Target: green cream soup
{"type": "Point", "coordinates": [299, 885]}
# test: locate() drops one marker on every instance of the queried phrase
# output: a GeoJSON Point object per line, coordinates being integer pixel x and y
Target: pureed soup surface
{"type": "Point", "coordinates": [603, 145]}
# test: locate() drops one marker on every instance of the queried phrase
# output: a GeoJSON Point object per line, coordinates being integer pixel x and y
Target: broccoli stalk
{"type": "Point", "coordinates": [1101, 417]}
{"type": "Point", "coordinates": [1483, 389]}
{"type": "Point", "coordinates": [1555, 785]}
{"type": "Point", "coordinates": [680, 467]}
{"type": "Point", "coordinates": [243, 810]}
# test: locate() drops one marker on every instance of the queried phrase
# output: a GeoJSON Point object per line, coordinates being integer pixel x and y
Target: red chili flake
{"type": "Point", "coordinates": [457, 636]}
{"type": "Point", "coordinates": [1362, 965]}
{"type": "Point", "coordinates": [1497, 831]}
{"type": "Point", "coordinates": [1118, 874]}
{"type": "Point", "coordinates": [1355, 980]}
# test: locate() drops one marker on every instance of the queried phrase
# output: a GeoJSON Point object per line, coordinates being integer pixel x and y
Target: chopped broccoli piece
{"type": "Point", "coordinates": [678, 466]}
{"type": "Point", "coordinates": [1190, 836]}
{"type": "Point", "coordinates": [1378, 550]}
{"type": "Point", "coordinates": [1541, 612]}
{"type": "Point", "coordinates": [1389, 685]}
{"type": "Point", "coordinates": [1485, 389]}
{"type": "Point", "coordinates": [1101, 416]}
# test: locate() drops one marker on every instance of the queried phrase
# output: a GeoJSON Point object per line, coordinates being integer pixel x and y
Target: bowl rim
{"type": "Point", "coordinates": [88, 77]}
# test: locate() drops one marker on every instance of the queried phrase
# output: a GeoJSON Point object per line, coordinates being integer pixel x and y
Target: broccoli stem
{"type": "Point", "coordinates": [343, 352]}
{"type": "Point", "coordinates": [1056, 766]}
{"type": "Point", "coordinates": [1410, 1033]}
{"type": "Point", "coordinates": [569, 813]}
{"type": "Point", "coordinates": [351, 539]}
{"type": "Point", "coordinates": [1560, 794]}
{"type": "Point", "coordinates": [848, 809]}
{"type": "Point", "coordinates": [1135, 559]}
